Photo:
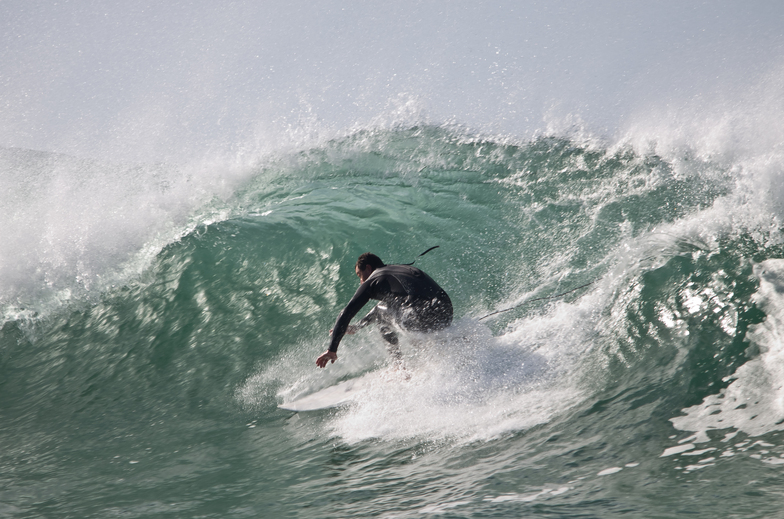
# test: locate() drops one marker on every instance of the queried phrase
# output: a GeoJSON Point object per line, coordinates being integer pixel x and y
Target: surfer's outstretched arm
{"type": "Point", "coordinates": [325, 358]}
{"type": "Point", "coordinates": [361, 297]}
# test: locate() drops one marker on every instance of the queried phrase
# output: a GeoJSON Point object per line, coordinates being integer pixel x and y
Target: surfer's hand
{"type": "Point", "coordinates": [326, 357]}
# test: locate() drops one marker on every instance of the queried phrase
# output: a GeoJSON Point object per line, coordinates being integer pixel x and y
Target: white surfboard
{"type": "Point", "coordinates": [334, 396]}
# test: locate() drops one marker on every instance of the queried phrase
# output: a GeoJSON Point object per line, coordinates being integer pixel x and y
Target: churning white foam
{"type": "Point", "coordinates": [467, 385]}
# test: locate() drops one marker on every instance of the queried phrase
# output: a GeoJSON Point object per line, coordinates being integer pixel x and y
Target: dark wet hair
{"type": "Point", "coordinates": [369, 259]}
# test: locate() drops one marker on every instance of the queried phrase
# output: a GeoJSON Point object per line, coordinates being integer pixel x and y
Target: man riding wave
{"type": "Point", "coordinates": [408, 297]}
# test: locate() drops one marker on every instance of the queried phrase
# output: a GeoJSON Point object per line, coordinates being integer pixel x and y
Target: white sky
{"type": "Point", "coordinates": [146, 80]}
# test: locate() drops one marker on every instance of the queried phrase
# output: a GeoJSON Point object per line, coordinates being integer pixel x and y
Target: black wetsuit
{"type": "Point", "coordinates": [409, 298]}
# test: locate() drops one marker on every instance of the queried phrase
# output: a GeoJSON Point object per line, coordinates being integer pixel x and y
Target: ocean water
{"type": "Point", "coordinates": [172, 257]}
{"type": "Point", "coordinates": [145, 383]}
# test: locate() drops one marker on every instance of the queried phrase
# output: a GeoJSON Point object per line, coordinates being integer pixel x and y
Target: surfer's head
{"type": "Point", "coordinates": [366, 264]}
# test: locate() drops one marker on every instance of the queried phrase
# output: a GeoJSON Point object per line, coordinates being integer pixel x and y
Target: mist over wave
{"type": "Point", "coordinates": [148, 82]}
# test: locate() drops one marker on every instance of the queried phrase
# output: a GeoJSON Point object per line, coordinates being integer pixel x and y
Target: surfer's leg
{"type": "Point", "coordinates": [385, 319]}
{"type": "Point", "coordinates": [390, 337]}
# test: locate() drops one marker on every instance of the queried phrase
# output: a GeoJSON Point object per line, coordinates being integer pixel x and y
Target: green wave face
{"type": "Point", "coordinates": [155, 391]}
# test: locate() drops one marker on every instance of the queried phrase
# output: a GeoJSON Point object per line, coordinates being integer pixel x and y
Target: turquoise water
{"type": "Point", "coordinates": [152, 323]}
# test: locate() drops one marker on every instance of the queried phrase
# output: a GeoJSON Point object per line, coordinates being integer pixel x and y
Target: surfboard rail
{"type": "Point", "coordinates": [342, 393]}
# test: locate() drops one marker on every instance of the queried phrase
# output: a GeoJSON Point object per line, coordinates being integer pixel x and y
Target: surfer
{"type": "Point", "coordinates": [408, 297]}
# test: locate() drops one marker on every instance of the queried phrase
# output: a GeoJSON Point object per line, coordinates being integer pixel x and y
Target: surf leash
{"type": "Point", "coordinates": [428, 250]}
{"type": "Point", "coordinates": [537, 299]}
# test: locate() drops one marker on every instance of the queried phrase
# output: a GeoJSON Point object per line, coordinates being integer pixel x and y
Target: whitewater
{"type": "Point", "coordinates": [184, 191]}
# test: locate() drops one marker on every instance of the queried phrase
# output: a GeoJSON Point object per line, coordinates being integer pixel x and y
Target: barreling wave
{"type": "Point", "coordinates": [219, 297]}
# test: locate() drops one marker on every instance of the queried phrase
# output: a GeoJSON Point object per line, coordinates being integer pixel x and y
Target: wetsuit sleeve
{"type": "Point", "coordinates": [360, 299]}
